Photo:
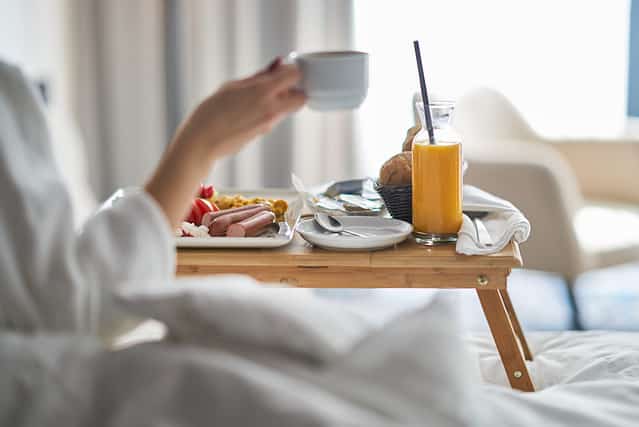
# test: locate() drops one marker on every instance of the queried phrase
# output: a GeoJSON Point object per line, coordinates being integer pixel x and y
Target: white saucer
{"type": "Point", "coordinates": [381, 232]}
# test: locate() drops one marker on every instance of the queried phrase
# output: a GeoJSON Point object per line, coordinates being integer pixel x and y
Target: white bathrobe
{"type": "Point", "coordinates": [53, 277]}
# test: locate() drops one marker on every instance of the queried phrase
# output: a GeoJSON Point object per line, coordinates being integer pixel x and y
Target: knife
{"type": "Point", "coordinates": [483, 236]}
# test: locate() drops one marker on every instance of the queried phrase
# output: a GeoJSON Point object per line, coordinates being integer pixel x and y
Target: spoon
{"type": "Point", "coordinates": [332, 224]}
{"type": "Point", "coordinates": [483, 237]}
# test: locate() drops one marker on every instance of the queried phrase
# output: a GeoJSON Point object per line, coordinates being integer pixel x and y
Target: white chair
{"type": "Point", "coordinates": [581, 196]}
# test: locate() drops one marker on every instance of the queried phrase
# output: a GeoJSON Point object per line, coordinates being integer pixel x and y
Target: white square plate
{"type": "Point", "coordinates": [283, 235]}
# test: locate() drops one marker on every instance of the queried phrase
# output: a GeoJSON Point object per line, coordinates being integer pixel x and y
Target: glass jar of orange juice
{"type": "Point", "coordinates": [437, 179]}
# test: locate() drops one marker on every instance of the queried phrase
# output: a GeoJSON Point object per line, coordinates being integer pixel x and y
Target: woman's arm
{"type": "Point", "coordinates": [221, 125]}
{"type": "Point", "coordinates": [55, 278]}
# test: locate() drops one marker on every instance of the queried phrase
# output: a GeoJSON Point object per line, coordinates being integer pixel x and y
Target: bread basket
{"type": "Point", "coordinates": [398, 200]}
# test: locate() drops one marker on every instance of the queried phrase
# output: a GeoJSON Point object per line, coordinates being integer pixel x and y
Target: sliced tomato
{"type": "Point", "coordinates": [206, 191]}
{"type": "Point", "coordinates": [189, 217]}
{"type": "Point", "coordinates": [198, 209]}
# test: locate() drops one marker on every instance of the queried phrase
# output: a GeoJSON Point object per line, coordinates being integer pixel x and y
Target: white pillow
{"type": "Point", "coordinates": [416, 368]}
{"type": "Point", "coordinates": [237, 309]}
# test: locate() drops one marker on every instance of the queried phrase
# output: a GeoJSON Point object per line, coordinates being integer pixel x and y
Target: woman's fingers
{"type": "Point", "coordinates": [284, 77]}
{"type": "Point", "coordinates": [271, 67]}
{"type": "Point", "coordinates": [276, 93]}
{"type": "Point", "coordinates": [274, 65]}
{"type": "Point", "coordinates": [280, 106]}
{"type": "Point", "coordinates": [292, 100]}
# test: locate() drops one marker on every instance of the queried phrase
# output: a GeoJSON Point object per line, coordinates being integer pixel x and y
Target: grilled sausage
{"type": "Point", "coordinates": [208, 218]}
{"type": "Point", "coordinates": [221, 223]}
{"type": "Point", "coordinates": [251, 226]}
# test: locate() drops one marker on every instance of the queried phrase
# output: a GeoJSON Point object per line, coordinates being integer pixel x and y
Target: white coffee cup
{"type": "Point", "coordinates": [333, 80]}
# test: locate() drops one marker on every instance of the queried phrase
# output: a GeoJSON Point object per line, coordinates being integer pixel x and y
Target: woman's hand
{"type": "Point", "coordinates": [221, 125]}
{"type": "Point", "coordinates": [243, 109]}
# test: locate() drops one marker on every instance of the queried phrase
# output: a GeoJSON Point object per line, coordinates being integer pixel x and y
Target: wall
{"type": "Point", "coordinates": [30, 36]}
{"type": "Point", "coordinates": [16, 25]}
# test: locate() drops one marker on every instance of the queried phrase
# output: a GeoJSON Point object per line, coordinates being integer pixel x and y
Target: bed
{"type": "Point", "coordinates": [296, 360]}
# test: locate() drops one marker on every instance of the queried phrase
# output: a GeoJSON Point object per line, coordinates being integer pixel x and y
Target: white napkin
{"type": "Point", "coordinates": [504, 223]}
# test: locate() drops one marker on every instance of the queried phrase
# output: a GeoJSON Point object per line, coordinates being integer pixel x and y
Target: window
{"type": "Point", "coordinates": [563, 63]}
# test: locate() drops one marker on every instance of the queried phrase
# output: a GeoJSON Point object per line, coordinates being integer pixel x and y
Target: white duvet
{"type": "Point", "coordinates": [414, 370]}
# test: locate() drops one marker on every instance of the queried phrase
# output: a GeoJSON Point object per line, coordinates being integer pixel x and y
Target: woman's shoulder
{"type": "Point", "coordinates": [11, 75]}
{"type": "Point", "coordinates": [15, 87]}
{"type": "Point", "coordinates": [9, 69]}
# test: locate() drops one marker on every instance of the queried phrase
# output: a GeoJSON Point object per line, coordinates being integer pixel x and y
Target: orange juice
{"type": "Point", "coordinates": [437, 191]}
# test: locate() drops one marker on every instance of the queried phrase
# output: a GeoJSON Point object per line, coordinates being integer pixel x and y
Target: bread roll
{"type": "Point", "coordinates": [397, 170]}
{"type": "Point", "coordinates": [410, 134]}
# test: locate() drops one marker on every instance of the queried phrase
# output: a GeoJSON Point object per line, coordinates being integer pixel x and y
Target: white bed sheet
{"type": "Point", "coordinates": [586, 379]}
{"type": "Point", "coordinates": [567, 357]}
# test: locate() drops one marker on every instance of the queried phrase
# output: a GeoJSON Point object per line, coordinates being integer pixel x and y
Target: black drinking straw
{"type": "Point", "coordinates": [422, 84]}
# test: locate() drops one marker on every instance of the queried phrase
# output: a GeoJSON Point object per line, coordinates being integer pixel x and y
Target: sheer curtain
{"type": "Point", "coordinates": [227, 38]}
{"type": "Point", "coordinates": [115, 87]}
{"type": "Point", "coordinates": [137, 68]}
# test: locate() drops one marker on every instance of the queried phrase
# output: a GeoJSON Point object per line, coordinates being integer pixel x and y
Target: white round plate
{"type": "Point", "coordinates": [381, 233]}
